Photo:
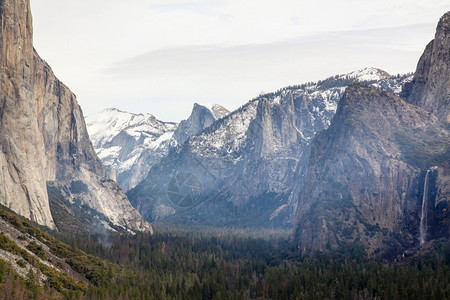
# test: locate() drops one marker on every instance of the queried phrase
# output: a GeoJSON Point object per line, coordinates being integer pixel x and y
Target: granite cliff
{"type": "Point", "coordinates": [202, 116]}
{"type": "Point", "coordinates": [379, 175]}
{"type": "Point", "coordinates": [366, 174]}
{"type": "Point", "coordinates": [130, 144]}
{"type": "Point", "coordinates": [43, 135]}
{"type": "Point", "coordinates": [247, 168]}
{"type": "Point", "coordinates": [430, 87]}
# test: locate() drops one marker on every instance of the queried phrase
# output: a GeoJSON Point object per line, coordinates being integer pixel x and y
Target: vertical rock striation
{"type": "Point", "coordinates": [43, 134]}
{"type": "Point", "coordinates": [362, 182]}
{"type": "Point", "coordinates": [368, 180]}
{"type": "Point", "coordinates": [22, 157]}
{"type": "Point", "coordinates": [251, 163]}
{"type": "Point", "coordinates": [430, 87]}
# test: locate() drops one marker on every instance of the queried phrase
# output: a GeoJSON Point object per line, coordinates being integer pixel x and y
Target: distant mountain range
{"type": "Point", "coordinates": [130, 144]}
{"type": "Point", "coordinates": [246, 168]}
{"type": "Point", "coordinates": [360, 158]}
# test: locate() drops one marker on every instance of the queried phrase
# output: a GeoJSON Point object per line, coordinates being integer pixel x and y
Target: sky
{"type": "Point", "coordinates": [162, 56]}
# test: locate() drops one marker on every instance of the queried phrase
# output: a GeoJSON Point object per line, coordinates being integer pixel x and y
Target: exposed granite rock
{"type": "Point", "coordinates": [22, 159]}
{"type": "Point", "coordinates": [129, 144]}
{"type": "Point", "coordinates": [247, 169]}
{"type": "Point", "coordinates": [43, 134]}
{"type": "Point", "coordinates": [200, 118]}
{"type": "Point", "coordinates": [365, 178]}
{"type": "Point", "coordinates": [430, 88]}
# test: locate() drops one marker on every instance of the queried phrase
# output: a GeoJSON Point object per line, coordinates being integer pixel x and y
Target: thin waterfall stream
{"type": "Point", "coordinates": [423, 215]}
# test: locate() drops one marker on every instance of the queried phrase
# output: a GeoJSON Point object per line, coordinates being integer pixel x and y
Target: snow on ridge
{"type": "Point", "coordinates": [108, 123]}
{"type": "Point", "coordinates": [120, 138]}
{"type": "Point", "coordinates": [367, 74]}
{"type": "Point", "coordinates": [225, 138]}
{"type": "Point", "coordinates": [217, 110]}
{"type": "Point", "coordinates": [229, 134]}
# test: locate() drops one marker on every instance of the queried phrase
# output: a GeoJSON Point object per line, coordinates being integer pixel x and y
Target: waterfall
{"type": "Point", "coordinates": [423, 216]}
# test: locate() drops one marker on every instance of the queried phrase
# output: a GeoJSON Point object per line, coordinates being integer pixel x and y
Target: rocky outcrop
{"type": "Point", "coordinates": [247, 168]}
{"type": "Point", "coordinates": [43, 134]}
{"type": "Point", "coordinates": [366, 172]}
{"type": "Point", "coordinates": [130, 144]}
{"type": "Point", "coordinates": [202, 116]}
{"type": "Point", "coordinates": [430, 88]}
{"type": "Point", "coordinates": [379, 175]}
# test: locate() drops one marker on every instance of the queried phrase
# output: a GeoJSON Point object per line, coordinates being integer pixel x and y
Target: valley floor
{"type": "Point", "coordinates": [206, 263]}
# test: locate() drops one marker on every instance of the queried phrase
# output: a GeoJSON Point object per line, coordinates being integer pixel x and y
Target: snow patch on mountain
{"type": "Point", "coordinates": [367, 74]}
{"type": "Point", "coordinates": [122, 140]}
{"type": "Point", "coordinates": [252, 162]}
{"type": "Point", "coordinates": [227, 135]}
{"type": "Point", "coordinates": [130, 144]}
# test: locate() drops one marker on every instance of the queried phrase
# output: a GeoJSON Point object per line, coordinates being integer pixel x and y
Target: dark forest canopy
{"type": "Point", "coordinates": [225, 264]}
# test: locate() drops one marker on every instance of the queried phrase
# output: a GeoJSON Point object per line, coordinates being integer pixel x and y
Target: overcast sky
{"type": "Point", "coordinates": [161, 56]}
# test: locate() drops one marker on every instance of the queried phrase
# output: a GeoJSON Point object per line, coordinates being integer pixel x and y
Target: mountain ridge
{"type": "Point", "coordinates": [430, 88]}
{"type": "Point", "coordinates": [130, 144]}
{"type": "Point", "coordinates": [358, 174]}
{"type": "Point", "coordinates": [378, 176]}
{"type": "Point", "coordinates": [257, 153]}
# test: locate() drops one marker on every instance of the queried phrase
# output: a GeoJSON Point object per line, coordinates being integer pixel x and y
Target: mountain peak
{"type": "Point", "coordinates": [430, 87]}
{"type": "Point", "coordinates": [129, 143]}
{"type": "Point", "coordinates": [444, 22]}
{"type": "Point", "coordinates": [202, 116]}
{"type": "Point", "coordinates": [114, 110]}
{"type": "Point", "coordinates": [376, 145]}
{"type": "Point", "coordinates": [253, 161]}
{"type": "Point", "coordinates": [367, 179]}
{"type": "Point", "coordinates": [217, 110]}
{"type": "Point", "coordinates": [368, 74]}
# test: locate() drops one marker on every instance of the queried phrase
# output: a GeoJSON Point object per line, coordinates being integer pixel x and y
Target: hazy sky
{"type": "Point", "coordinates": [161, 56]}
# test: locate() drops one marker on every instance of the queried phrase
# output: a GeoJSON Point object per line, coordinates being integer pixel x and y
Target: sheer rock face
{"type": "Point", "coordinates": [430, 88]}
{"type": "Point", "coordinates": [43, 134]}
{"type": "Point", "coordinates": [365, 181]}
{"type": "Point", "coordinates": [22, 157]}
{"type": "Point", "coordinates": [130, 144]}
{"type": "Point", "coordinates": [365, 178]}
{"type": "Point", "coordinates": [247, 169]}
{"type": "Point", "coordinates": [201, 117]}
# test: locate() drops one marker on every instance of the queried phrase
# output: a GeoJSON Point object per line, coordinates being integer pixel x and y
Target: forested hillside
{"type": "Point", "coordinates": [204, 263]}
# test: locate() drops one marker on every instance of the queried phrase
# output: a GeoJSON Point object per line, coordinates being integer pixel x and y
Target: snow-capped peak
{"type": "Point", "coordinates": [217, 110]}
{"type": "Point", "coordinates": [367, 74]}
{"type": "Point", "coordinates": [123, 139]}
{"type": "Point", "coordinates": [108, 123]}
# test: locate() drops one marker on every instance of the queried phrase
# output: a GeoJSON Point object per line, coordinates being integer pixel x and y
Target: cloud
{"type": "Point", "coordinates": [133, 54]}
{"type": "Point", "coordinates": [231, 75]}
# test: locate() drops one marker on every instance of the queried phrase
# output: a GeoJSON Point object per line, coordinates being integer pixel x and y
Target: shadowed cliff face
{"type": "Point", "coordinates": [366, 173]}
{"type": "Point", "coordinates": [43, 134]}
{"type": "Point", "coordinates": [249, 166]}
{"type": "Point", "coordinates": [430, 88]}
